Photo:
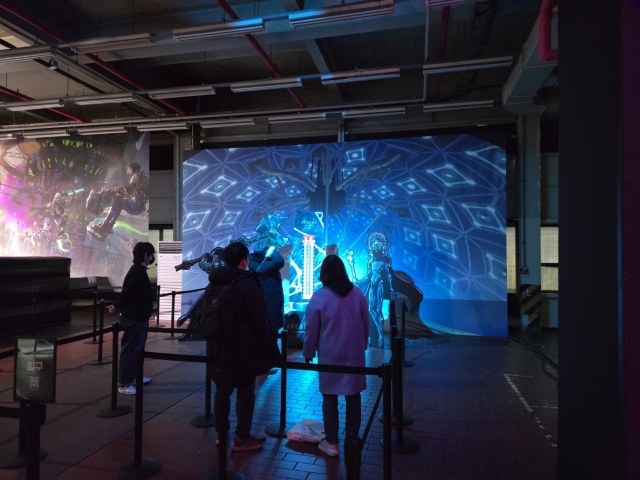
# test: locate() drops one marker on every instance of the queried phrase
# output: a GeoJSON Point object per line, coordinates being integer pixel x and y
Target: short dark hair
{"type": "Point", "coordinates": [332, 270]}
{"type": "Point", "coordinates": [234, 253]}
{"type": "Point", "coordinates": [140, 249]}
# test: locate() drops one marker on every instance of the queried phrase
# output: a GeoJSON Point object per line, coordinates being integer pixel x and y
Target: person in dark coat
{"type": "Point", "coordinates": [135, 304]}
{"type": "Point", "coordinates": [337, 327]}
{"type": "Point", "coordinates": [250, 344]}
{"type": "Point", "coordinates": [267, 262]}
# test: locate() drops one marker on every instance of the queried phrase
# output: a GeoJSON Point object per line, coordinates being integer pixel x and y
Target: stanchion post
{"type": "Point", "coordinates": [35, 415]}
{"type": "Point", "coordinates": [95, 316]}
{"type": "Point", "coordinates": [279, 429]}
{"type": "Point", "coordinates": [386, 425]}
{"type": "Point", "coordinates": [34, 299]}
{"type": "Point", "coordinates": [173, 315]}
{"type": "Point", "coordinates": [158, 303]}
{"type": "Point", "coordinates": [399, 443]}
{"type": "Point", "coordinates": [114, 410]}
{"type": "Point", "coordinates": [403, 321]}
{"type": "Point", "coordinates": [207, 419]}
{"type": "Point", "coordinates": [352, 457]}
{"type": "Point", "coordinates": [100, 361]}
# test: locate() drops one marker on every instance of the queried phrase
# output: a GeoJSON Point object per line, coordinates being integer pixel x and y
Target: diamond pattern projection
{"type": "Point", "coordinates": [229, 218]}
{"type": "Point", "coordinates": [383, 192]}
{"type": "Point", "coordinates": [445, 246]}
{"type": "Point", "coordinates": [437, 214]}
{"type": "Point", "coordinates": [497, 268]}
{"type": "Point", "coordinates": [347, 172]}
{"type": "Point", "coordinates": [191, 169]}
{"type": "Point", "coordinates": [194, 220]}
{"type": "Point", "coordinates": [412, 236]}
{"type": "Point", "coordinates": [219, 186]}
{"type": "Point", "coordinates": [450, 176]}
{"type": "Point", "coordinates": [446, 282]}
{"type": "Point", "coordinates": [412, 186]}
{"type": "Point", "coordinates": [273, 182]}
{"type": "Point", "coordinates": [485, 217]}
{"type": "Point", "coordinates": [356, 156]}
{"type": "Point", "coordinates": [248, 194]}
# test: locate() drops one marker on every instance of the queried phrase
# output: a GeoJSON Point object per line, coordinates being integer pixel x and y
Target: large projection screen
{"type": "Point", "coordinates": [83, 198]}
{"type": "Point", "coordinates": [428, 212]}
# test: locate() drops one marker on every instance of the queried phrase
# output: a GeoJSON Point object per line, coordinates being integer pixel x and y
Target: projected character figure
{"type": "Point", "coordinates": [131, 198]}
{"type": "Point", "coordinates": [55, 211]}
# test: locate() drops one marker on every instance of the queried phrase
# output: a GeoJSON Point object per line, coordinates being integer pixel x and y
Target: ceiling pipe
{"type": "Point", "coordinates": [442, 43]}
{"type": "Point", "coordinates": [427, 29]}
{"type": "Point", "coordinates": [260, 51]}
{"type": "Point", "coordinates": [545, 51]}
{"type": "Point", "coordinates": [9, 7]}
{"type": "Point", "coordinates": [25, 98]}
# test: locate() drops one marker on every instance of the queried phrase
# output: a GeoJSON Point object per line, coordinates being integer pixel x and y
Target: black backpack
{"type": "Point", "coordinates": [217, 322]}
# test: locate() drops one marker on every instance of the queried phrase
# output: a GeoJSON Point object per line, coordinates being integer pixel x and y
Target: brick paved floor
{"type": "Point", "coordinates": [481, 408]}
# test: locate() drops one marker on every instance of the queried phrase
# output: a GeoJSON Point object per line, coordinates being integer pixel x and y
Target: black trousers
{"type": "Point", "coordinates": [130, 341]}
{"type": "Point", "coordinates": [330, 416]}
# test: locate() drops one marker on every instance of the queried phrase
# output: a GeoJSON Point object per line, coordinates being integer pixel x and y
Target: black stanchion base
{"type": "Point", "coordinates": [408, 364]}
{"type": "Point", "coordinates": [16, 461]}
{"type": "Point", "coordinates": [273, 429]}
{"type": "Point", "coordinates": [110, 413]}
{"type": "Point", "coordinates": [202, 420]}
{"type": "Point", "coordinates": [128, 471]}
{"type": "Point", "coordinates": [408, 445]}
{"type": "Point", "coordinates": [99, 362]}
{"type": "Point", "coordinates": [92, 342]}
{"type": "Point", "coordinates": [406, 419]}
{"type": "Point", "coordinates": [231, 475]}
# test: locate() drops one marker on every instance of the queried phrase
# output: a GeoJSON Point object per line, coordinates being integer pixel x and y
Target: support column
{"type": "Point", "coordinates": [529, 275]}
{"type": "Point", "coordinates": [177, 178]}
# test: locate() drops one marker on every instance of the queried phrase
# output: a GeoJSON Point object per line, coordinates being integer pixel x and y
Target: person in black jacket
{"type": "Point", "coordinates": [135, 304]}
{"type": "Point", "coordinates": [250, 344]}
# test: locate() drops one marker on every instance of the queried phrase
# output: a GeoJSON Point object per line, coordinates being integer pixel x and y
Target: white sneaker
{"type": "Point", "coordinates": [146, 380]}
{"type": "Point", "coordinates": [331, 450]}
{"type": "Point", "coordinates": [130, 390]}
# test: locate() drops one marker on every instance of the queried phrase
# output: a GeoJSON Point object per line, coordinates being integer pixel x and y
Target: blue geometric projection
{"type": "Point", "coordinates": [440, 202]}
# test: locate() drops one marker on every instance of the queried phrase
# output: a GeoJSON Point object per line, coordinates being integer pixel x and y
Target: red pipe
{"type": "Point", "coordinates": [546, 53]}
{"type": "Point", "coordinates": [442, 43]}
{"type": "Point", "coordinates": [24, 97]}
{"type": "Point", "coordinates": [55, 35]}
{"type": "Point", "coordinates": [260, 51]}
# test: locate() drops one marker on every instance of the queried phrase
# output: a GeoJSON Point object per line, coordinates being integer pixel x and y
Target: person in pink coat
{"type": "Point", "coordinates": [337, 328]}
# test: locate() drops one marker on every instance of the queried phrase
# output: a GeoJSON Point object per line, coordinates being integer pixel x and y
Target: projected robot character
{"type": "Point", "coordinates": [268, 238]}
{"type": "Point", "coordinates": [131, 198]}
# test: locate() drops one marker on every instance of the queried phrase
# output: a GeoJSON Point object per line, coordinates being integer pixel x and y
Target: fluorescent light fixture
{"type": "Point", "coordinates": [46, 134]}
{"type": "Point", "coordinates": [105, 44]}
{"type": "Point", "coordinates": [25, 54]}
{"type": "Point", "coordinates": [231, 122]}
{"type": "Point", "coordinates": [102, 130]}
{"type": "Point", "coordinates": [443, 107]}
{"type": "Point", "coordinates": [272, 84]}
{"type": "Point", "coordinates": [9, 136]}
{"type": "Point", "coordinates": [373, 112]}
{"type": "Point", "coordinates": [341, 13]}
{"type": "Point", "coordinates": [34, 105]}
{"type": "Point", "coordinates": [105, 98]}
{"type": "Point", "coordinates": [180, 92]}
{"type": "Point", "coordinates": [298, 117]}
{"type": "Point", "coordinates": [219, 30]}
{"type": "Point", "coordinates": [449, 67]}
{"type": "Point", "coordinates": [161, 126]}
{"type": "Point", "coordinates": [360, 75]}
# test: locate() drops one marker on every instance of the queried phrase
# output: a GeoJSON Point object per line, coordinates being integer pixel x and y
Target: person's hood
{"type": "Point", "coordinates": [341, 287]}
{"type": "Point", "coordinates": [225, 274]}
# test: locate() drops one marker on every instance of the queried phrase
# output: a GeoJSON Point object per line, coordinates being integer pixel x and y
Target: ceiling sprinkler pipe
{"type": "Point", "coordinates": [260, 51]}
{"type": "Point", "coordinates": [25, 98]}
{"type": "Point", "coordinates": [442, 43]}
{"type": "Point", "coordinates": [546, 53]}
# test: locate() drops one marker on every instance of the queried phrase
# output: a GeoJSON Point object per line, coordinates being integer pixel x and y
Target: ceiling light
{"type": "Point", "coordinates": [442, 107]}
{"type": "Point", "coordinates": [449, 67]}
{"type": "Point", "coordinates": [161, 126]}
{"type": "Point", "coordinates": [105, 44]}
{"type": "Point", "coordinates": [24, 54]}
{"type": "Point", "coordinates": [102, 130]}
{"type": "Point", "coordinates": [299, 117]}
{"type": "Point", "coordinates": [373, 112]}
{"type": "Point", "coordinates": [46, 134]}
{"type": "Point", "coordinates": [273, 84]}
{"type": "Point", "coordinates": [180, 92]}
{"type": "Point", "coordinates": [219, 30]}
{"type": "Point", "coordinates": [106, 98]}
{"type": "Point", "coordinates": [8, 136]}
{"type": "Point", "coordinates": [34, 105]}
{"type": "Point", "coordinates": [341, 13]}
{"type": "Point", "coordinates": [231, 122]}
{"type": "Point", "coordinates": [360, 75]}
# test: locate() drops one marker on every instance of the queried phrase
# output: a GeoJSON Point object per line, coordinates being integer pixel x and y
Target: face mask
{"type": "Point", "coordinates": [152, 258]}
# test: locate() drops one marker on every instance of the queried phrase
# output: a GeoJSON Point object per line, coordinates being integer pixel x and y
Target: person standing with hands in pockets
{"type": "Point", "coordinates": [337, 328]}
{"type": "Point", "coordinates": [135, 304]}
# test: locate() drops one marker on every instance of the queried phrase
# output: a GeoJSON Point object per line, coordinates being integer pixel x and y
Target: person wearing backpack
{"type": "Point", "coordinates": [337, 327]}
{"type": "Point", "coordinates": [235, 324]}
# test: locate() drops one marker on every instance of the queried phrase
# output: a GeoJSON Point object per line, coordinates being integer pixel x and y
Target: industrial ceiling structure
{"type": "Point", "coordinates": [280, 68]}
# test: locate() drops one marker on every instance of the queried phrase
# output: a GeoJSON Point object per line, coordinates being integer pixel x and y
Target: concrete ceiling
{"type": "Point", "coordinates": [392, 40]}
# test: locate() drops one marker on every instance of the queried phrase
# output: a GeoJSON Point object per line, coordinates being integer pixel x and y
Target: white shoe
{"type": "Point", "coordinates": [331, 450]}
{"type": "Point", "coordinates": [146, 380]}
{"type": "Point", "coordinates": [130, 390]}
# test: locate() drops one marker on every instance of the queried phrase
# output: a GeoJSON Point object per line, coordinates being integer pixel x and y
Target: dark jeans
{"type": "Point", "coordinates": [130, 341]}
{"type": "Point", "coordinates": [245, 401]}
{"type": "Point", "coordinates": [330, 415]}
